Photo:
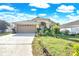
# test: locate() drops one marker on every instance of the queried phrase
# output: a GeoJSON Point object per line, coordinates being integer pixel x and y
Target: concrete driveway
{"type": "Point", "coordinates": [19, 44]}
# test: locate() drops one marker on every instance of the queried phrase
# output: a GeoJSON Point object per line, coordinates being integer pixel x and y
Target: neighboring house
{"type": "Point", "coordinates": [30, 25]}
{"type": "Point", "coordinates": [73, 27]}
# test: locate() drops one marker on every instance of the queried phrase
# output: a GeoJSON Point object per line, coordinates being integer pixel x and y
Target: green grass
{"type": "Point", "coordinates": [71, 38]}
{"type": "Point", "coordinates": [5, 33]}
{"type": "Point", "coordinates": [55, 46]}
{"type": "Point", "coordinates": [37, 49]}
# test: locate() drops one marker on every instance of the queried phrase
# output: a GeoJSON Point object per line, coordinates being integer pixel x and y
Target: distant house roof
{"type": "Point", "coordinates": [39, 18]}
{"type": "Point", "coordinates": [71, 24]}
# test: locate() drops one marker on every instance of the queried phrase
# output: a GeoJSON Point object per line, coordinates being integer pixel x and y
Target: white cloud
{"type": "Point", "coordinates": [35, 1]}
{"type": "Point", "coordinates": [33, 9]}
{"type": "Point", "coordinates": [72, 18]}
{"type": "Point", "coordinates": [40, 5]}
{"type": "Point", "coordinates": [65, 9]}
{"type": "Point", "coordinates": [53, 19]}
{"type": "Point", "coordinates": [42, 14]}
{"type": "Point", "coordinates": [55, 16]}
{"type": "Point", "coordinates": [5, 7]}
{"type": "Point", "coordinates": [12, 17]}
{"type": "Point", "coordinates": [56, 19]}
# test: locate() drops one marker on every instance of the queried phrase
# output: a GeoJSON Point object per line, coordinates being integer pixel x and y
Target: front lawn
{"type": "Point", "coordinates": [55, 46]}
{"type": "Point", "coordinates": [71, 38]}
{"type": "Point", "coordinates": [5, 33]}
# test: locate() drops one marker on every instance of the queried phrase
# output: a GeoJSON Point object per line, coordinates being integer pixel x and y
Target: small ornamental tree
{"type": "Point", "coordinates": [55, 29]}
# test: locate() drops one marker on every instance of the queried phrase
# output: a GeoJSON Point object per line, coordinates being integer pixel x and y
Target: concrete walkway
{"type": "Point", "coordinates": [19, 44]}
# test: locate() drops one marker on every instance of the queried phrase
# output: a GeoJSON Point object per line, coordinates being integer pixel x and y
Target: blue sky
{"type": "Point", "coordinates": [60, 12]}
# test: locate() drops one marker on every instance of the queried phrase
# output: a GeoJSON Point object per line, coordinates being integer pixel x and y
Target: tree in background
{"type": "Point", "coordinates": [3, 25]}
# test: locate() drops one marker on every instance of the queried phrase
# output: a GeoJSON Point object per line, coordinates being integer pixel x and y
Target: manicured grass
{"type": "Point", "coordinates": [55, 46]}
{"type": "Point", "coordinates": [5, 33]}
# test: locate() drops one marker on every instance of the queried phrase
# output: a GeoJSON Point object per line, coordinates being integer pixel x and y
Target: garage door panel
{"type": "Point", "coordinates": [26, 28]}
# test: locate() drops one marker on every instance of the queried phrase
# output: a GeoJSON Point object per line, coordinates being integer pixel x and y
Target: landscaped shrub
{"type": "Point", "coordinates": [38, 30]}
{"type": "Point", "coordinates": [76, 50]}
{"type": "Point", "coordinates": [49, 32]}
{"type": "Point", "coordinates": [54, 30]}
{"type": "Point", "coordinates": [72, 34]}
{"type": "Point", "coordinates": [44, 32]}
{"type": "Point", "coordinates": [66, 32]}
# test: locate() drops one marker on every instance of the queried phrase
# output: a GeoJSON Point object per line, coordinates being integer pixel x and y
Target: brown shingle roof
{"type": "Point", "coordinates": [34, 21]}
{"type": "Point", "coordinates": [39, 18]}
{"type": "Point", "coordinates": [26, 22]}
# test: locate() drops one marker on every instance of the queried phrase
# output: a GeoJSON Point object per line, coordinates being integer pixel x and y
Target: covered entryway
{"type": "Point", "coordinates": [26, 28]}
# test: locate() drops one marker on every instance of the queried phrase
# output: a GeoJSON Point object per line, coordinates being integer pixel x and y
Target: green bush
{"type": "Point", "coordinates": [76, 50]}
{"type": "Point", "coordinates": [66, 32]}
{"type": "Point", "coordinates": [55, 30]}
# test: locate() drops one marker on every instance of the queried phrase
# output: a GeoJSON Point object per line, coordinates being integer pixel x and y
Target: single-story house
{"type": "Point", "coordinates": [72, 27]}
{"type": "Point", "coordinates": [30, 25]}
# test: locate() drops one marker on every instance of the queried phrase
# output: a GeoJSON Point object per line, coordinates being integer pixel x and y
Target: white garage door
{"type": "Point", "coordinates": [26, 28]}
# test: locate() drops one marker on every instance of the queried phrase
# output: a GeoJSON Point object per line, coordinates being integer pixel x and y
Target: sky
{"type": "Point", "coordinates": [57, 12]}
